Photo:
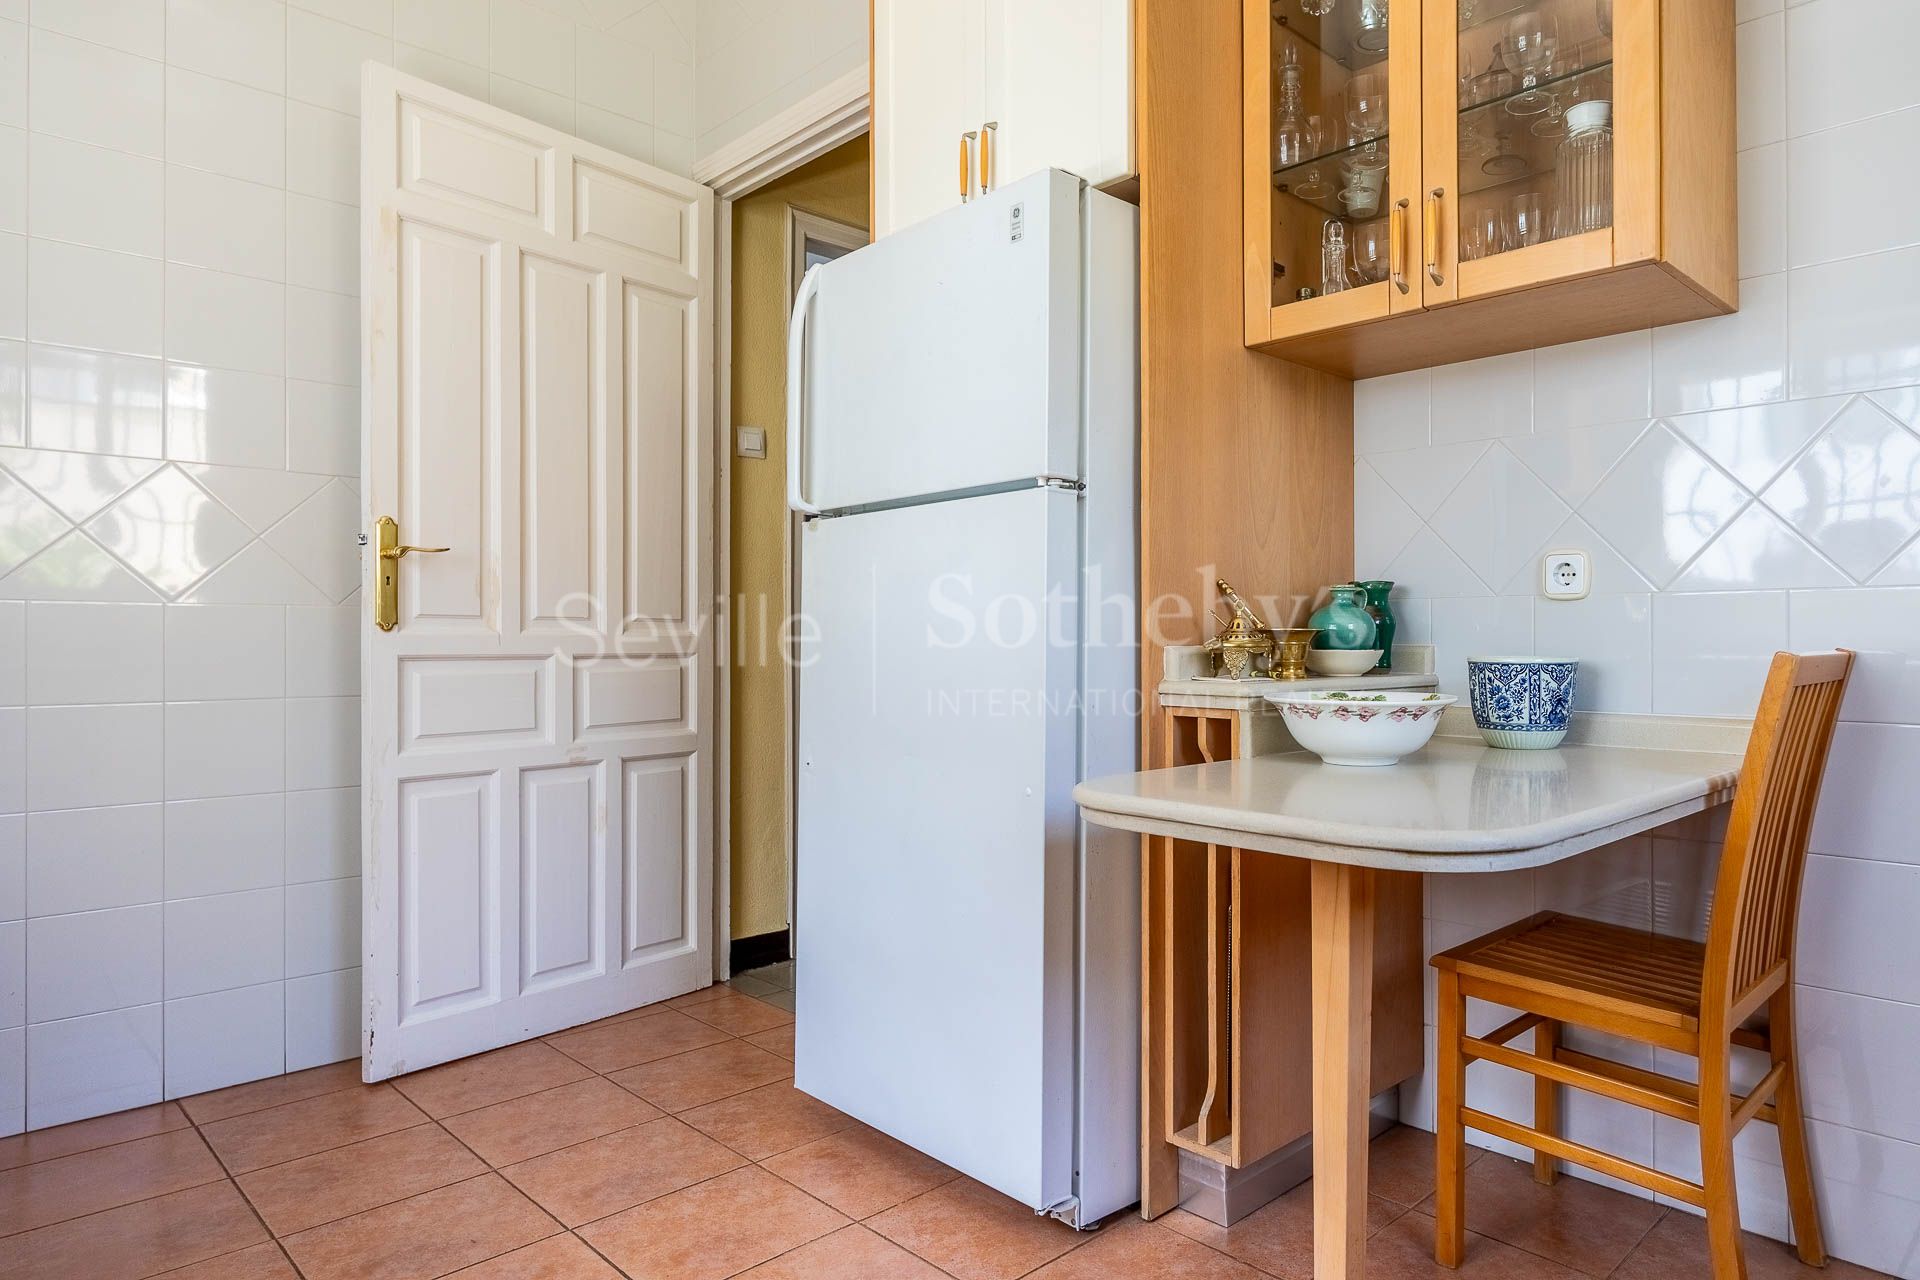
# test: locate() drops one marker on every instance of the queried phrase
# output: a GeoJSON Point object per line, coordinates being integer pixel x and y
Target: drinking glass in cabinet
{"type": "Point", "coordinates": [1367, 25]}
{"type": "Point", "coordinates": [1584, 162]}
{"type": "Point", "coordinates": [1333, 257]}
{"type": "Point", "coordinates": [1528, 220]}
{"type": "Point", "coordinates": [1372, 251]}
{"type": "Point", "coordinates": [1483, 233]}
{"type": "Point", "coordinates": [1532, 36]}
{"type": "Point", "coordinates": [1314, 186]}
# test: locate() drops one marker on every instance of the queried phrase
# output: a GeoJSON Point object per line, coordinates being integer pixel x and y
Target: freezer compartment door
{"type": "Point", "coordinates": [937, 834]}
{"type": "Point", "coordinates": [948, 355]}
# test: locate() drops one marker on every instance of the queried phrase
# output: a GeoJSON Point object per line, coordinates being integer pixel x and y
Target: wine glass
{"type": "Point", "coordinates": [1316, 8]}
{"type": "Point", "coordinates": [1367, 116]}
{"type": "Point", "coordinates": [1504, 162]}
{"type": "Point", "coordinates": [1371, 251]}
{"type": "Point", "coordinates": [1531, 37]}
{"type": "Point", "coordinates": [1312, 185]}
{"type": "Point", "coordinates": [1529, 220]}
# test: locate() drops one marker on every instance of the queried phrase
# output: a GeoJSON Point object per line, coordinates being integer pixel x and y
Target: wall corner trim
{"type": "Point", "coordinates": [810, 127]}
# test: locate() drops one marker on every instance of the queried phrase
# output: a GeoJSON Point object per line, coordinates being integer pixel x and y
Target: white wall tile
{"type": "Point", "coordinates": [226, 416]}
{"type": "Point", "coordinates": [1662, 502]}
{"type": "Point", "coordinates": [1499, 516]}
{"type": "Point", "coordinates": [1424, 478]}
{"type": "Point", "coordinates": [227, 845]}
{"type": "Point", "coordinates": [225, 223]}
{"type": "Point", "coordinates": [1760, 57]}
{"type": "Point", "coordinates": [1842, 199]}
{"type": "Point", "coordinates": [323, 926]}
{"type": "Point", "coordinates": [93, 859]}
{"type": "Point", "coordinates": [13, 759]}
{"type": "Point", "coordinates": [324, 57]}
{"type": "Point", "coordinates": [323, 652]}
{"type": "Point", "coordinates": [93, 653]}
{"type": "Point", "coordinates": [226, 320]}
{"type": "Point", "coordinates": [1847, 59]}
{"type": "Point", "coordinates": [224, 748]}
{"type": "Point", "coordinates": [225, 941]}
{"type": "Point", "coordinates": [1612, 635]}
{"type": "Point", "coordinates": [243, 40]}
{"type": "Point", "coordinates": [1868, 807]}
{"type": "Point", "coordinates": [224, 1038]}
{"type": "Point", "coordinates": [13, 385]}
{"type": "Point", "coordinates": [323, 742]}
{"type": "Point", "coordinates": [90, 93]}
{"type": "Point", "coordinates": [1763, 214]}
{"type": "Point", "coordinates": [1755, 444]}
{"type": "Point", "coordinates": [323, 1019]}
{"type": "Point", "coordinates": [1756, 550]}
{"type": "Point", "coordinates": [1856, 929]}
{"type": "Point", "coordinates": [85, 756]}
{"type": "Point", "coordinates": [1855, 325]}
{"type": "Point", "coordinates": [1865, 1213]}
{"type": "Point", "coordinates": [13, 179]}
{"type": "Point", "coordinates": [231, 129]}
{"type": "Point", "coordinates": [370, 15]}
{"type": "Point", "coordinates": [89, 195]}
{"type": "Point", "coordinates": [1711, 651]}
{"type": "Point", "coordinates": [65, 285]}
{"type": "Point", "coordinates": [217, 651]}
{"type": "Point", "coordinates": [1725, 361]}
{"type": "Point", "coordinates": [323, 834]}
{"type": "Point", "coordinates": [1582, 384]}
{"type": "Point", "coordinates": [1477, 628]}
{"type": "Point", "coordinates": [448, 73]}
{"type": "Point", "coordinates": [132, 26]}
{"type": "Point", "coordinates": [13, 1081]}
{"type": "Point", "coordinates": [323, 337]}
{"type": "Point", "coordinates": [13, 866]}
{"type": "Point", "coordinates": [1382, 521]}
{"type": "Point", "coordinates": [92, 962]}
{"type": "Point", "coordinates": [90, 1066]}
{"type": "Point", "coordinates": [13, 285]}
{"type": "Point", "coordinates": [323, 428]}
{"type": "Point", "coordinates": [1855, 1052]}
{"type": "Point", "coordinates": [543, 105]}
{"type": "Point", "coordinates": [1483, 399]}
{"type": "Point", "coordinates": [323, 152]}
{"type": "Point", "coordinates": [13, 974]}
{"type": "Point", "coordinates": [13, 73]}
{"type": "Point", "coordinates": [531, 45]}
{"type": "Point", "coordinates": [631, 138]}
{"type": "Point", "coordinates": [323, 245]}
{"type": "Point", "coordinates": [617, 77]}
{"type": "Point", "coordinates": [447, 27]}
{"type": "Point", "coordinates": [13, 653]}
{"type": "Point", "coordinates": [1879, 625]}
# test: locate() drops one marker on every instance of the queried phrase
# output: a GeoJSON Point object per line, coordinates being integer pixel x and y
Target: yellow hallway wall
{"type": "Point", "coordinates": [833, 186]}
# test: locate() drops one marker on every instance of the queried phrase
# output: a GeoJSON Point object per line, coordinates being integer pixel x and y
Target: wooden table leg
{"type": "Point", "coordinates": [1342, 1049]}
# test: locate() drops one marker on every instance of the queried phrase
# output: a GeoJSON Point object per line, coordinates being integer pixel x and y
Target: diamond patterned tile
{"type": "Point", "coordinates": [256, 576]}
{"type": "Point", "coordinates": [1661, 503]}
{"type": "Point", "coordinates": [1758, 550]}
{"type": "Point", "coordinates": [259, 497]}
{"type": "Point", "coordinates": [1608, 573]}
{"type": "Point", "coordinates": [27, 525]}
{"type": "Point", "coordinates": [1754, 443]}
{"type": "Point", "coordinates": [75, 568]}
{"type": "Point", "coordinates": [1498, 516]}
{"type": "Point", "coordinates": [76, 484]}
{"type": "Point", "coordinates": [167, 530]}
{"type": "Point", "coordinates": [1424, 477]}
{"type": "Point", "coordinates": [1382, 521]}
{"type": "Point", "coordinates": [1855, 492]}
{"type": "Point", "coordinates": [1572, 462]}
{"type": "Point", "coordinates": [317, 539]}
{"type": "Point", "coordinates": [1428, 566]}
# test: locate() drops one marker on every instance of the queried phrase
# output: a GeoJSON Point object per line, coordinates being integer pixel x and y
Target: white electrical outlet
{"type": "Point", "coordinates": [1564, 575]}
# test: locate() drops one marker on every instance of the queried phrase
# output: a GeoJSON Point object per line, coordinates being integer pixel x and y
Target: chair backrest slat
{"type": "Point", "coordinates": [1757, 895]}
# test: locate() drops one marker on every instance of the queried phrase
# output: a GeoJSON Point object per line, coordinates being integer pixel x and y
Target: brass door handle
{"type": "Point", "coordinates": [394, 553]}
{"type": "Point", "coordinates": [386, 577]}
{"type": "Point", "coordinates": [1396, 244]}
{"type": "Point", "coordinates": [1434, 211]}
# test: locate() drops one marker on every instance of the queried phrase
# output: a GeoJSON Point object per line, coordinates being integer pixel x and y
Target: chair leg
{"type": "Point", "coordinates": [1716, 1163]}
{"type": "Point", "coordinates": [1546, 1103]}
{"type": "Point", "coordinates": [1450, 1135]}
{"type": "Point", "coordinates": [1793, 1132]}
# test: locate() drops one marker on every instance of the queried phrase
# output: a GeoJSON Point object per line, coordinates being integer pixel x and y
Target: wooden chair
{"type": "Point", "coordinates": [1671, 992]}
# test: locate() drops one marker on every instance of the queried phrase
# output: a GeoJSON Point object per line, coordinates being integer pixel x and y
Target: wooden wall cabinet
{"type": "Point", "coordinates": [1421, 127]}
{"type": "Point", "coordinates": [971, 93]}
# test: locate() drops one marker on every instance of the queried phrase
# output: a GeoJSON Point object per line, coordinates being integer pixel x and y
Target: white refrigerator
{"type": "Point", "coordinates": [962, 409]}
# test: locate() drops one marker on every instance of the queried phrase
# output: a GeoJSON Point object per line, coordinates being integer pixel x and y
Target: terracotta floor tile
{"type": "Point", "coordinates": [365, 1175]}
{"type": "Point", "coordinates": [851, 1253]}
{"type": "Point", "coordinates": [262, 1262]}
{"type": "Point", "coordinates": [1404, 1251]}
{"type": "Point", "coordinates": [88, 1135]}
{"type": "Point", "coordinates": [136, 1240]}
{"type": "Point", "coordinates": [975, 1233]}
{"type": "Point", "coordinates": [780, 975]}
{"type": "Point", "coordinates": [51, 1191]}
{"type": "Point", "coordinates": [272, 1092]}
{"type": "Point", "coordinates": [1400, 1165]}
{"type": "Point", "coordinates": [1677, 1246]}
{"type": "Point", "coordinates": [609, 1047]}
{"type": "Point", "coordinates": [1580, 1224]}
{"type": "Point", "coordinates": [1144, 1250]}
{"type": "Point", "coordinates": [779, 1040]}
{"type": "Point", "coordinates": [701, 996]}
{"type": "Point", "coordinates": [715, 1229]}
{"type": "Point", "coordinates": [555, 1258]}
{"type": "Point", "coordinates": [294, 1129]}
{"type": "Point", "coordinates": [704, 1075]}
{"type": "Point", "coordinates": [606, 1175]}
{"type": "Point", "coordinates": [487, 1078]}
{"type": "Point", "coordinates": [860, 1171]}
{"type": "Point", "coordinates": [508, 1132]}
{"type": "Point", "coordinates": [739, 1015]}
{"type": "Point", "coordinates": [1276, 1237]}
{"type": "Point", "coordinates": [429, 1235]}
{"type": "Point", "coordinates": [747, 984]}
{"type": "Point", "coordinates": [766, 1121]}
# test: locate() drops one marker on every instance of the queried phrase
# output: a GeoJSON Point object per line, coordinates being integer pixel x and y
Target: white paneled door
{"type": "Point", "coordinates": [538, 779]}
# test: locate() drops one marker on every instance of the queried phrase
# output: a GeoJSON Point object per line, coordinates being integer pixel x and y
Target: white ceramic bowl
{"type": "Point", "coordinates": [1359, 726]}
{"type": "Point", "coordinates": [1342, 662]}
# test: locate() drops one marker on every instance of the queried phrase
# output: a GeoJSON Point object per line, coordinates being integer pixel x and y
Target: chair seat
{"type": "Point", "coordinates": [1624, 972]}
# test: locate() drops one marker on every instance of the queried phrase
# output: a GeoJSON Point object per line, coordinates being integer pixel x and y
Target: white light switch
{"type": "Point", "coordinates": [750, 442]}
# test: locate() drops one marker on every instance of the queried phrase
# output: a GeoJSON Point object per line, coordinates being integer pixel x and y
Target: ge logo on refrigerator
{"type": "Point", "coordinates": [1017, 222]}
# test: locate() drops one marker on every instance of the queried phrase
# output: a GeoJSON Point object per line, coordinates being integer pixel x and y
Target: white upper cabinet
{"type": "Point", "coordinates": [973, 94]}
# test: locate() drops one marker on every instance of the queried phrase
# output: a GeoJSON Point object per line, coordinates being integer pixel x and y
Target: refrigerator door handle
{"type": "Point", "coordinates": [796, 392]}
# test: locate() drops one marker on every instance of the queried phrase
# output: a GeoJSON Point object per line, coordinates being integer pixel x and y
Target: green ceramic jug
{"type": "Point", "coordinates": [1344, 623]}
{"type": "Point", "coordinates": [1377, 590]}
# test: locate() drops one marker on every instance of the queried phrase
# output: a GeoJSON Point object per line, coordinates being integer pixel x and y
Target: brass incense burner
{"type": "Point", "coordinates": [1244, 643]}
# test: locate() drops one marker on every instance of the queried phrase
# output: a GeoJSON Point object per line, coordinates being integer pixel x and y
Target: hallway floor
{"type": "Point", "coordinates": [670, 1143]}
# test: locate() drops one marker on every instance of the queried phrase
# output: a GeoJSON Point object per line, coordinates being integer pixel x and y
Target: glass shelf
{"type": "Point", "coordinates": [1490, 119]}
{"type": "Point", "coordinates": [1329, 35]}
{"type": "Point", "coordinates": [1332, 165]}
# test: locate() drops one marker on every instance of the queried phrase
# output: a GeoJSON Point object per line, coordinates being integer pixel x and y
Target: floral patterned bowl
{"type": "Point", "coordinates": [1361, 727]}
{"type": "Point", "coordinates": [1522, 703]}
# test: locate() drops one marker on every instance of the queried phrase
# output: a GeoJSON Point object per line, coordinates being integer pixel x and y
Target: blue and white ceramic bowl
{"type": "Point", "coordinates": [1522, 702]}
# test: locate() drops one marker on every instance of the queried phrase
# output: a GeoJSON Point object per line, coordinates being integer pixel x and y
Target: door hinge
{"type": "Point", "coordinates": [1067, 1211]}
{"type": "Point", "coordinates": [1066, 484]}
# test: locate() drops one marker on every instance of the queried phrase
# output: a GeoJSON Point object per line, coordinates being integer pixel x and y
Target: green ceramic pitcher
{"type": "Point", "coordinates": [1377, 590]}
{"type": "Point", "coordinates": [1344, 622]}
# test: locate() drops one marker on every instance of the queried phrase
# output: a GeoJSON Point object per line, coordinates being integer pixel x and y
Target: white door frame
{"type": "Point", "coordinates": [813, 126]}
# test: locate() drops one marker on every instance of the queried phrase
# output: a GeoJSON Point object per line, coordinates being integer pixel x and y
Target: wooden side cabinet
{"type": "Point", "coordinates": [1436, 180]}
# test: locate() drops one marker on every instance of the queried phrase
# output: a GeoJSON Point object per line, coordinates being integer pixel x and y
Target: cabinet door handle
{"type": "Point", "coordinates": [966, 165]}
{"type": "Point", "coordinates": [1434, 211]}
{"type": "Point", "coordinates": [988, 132]}
{"type": "Point", "coordinates": [1397, 244]}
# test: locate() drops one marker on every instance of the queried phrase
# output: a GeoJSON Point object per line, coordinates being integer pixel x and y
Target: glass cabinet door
{"type": "Point", "coordinates": [1520, 130]}
{"type": "Point", "coordinates": [1332, 158]}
